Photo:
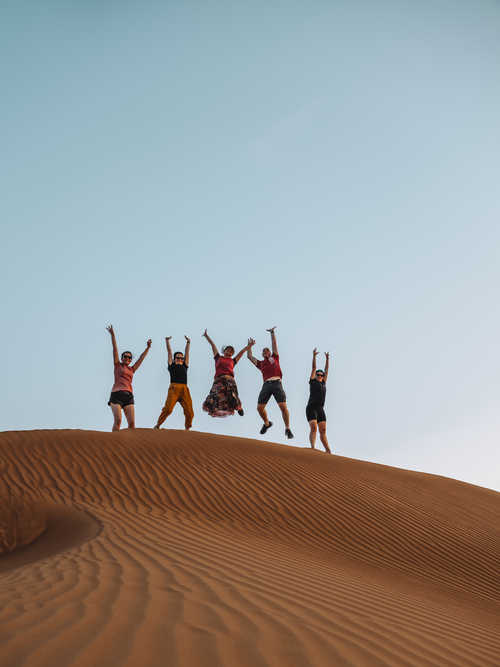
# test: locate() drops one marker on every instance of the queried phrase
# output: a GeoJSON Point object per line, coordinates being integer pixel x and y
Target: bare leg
{"type": "Point", "coordinates": [129, 411]}
{"type": "Point", "coordinates": [285, 414]}
{"type": "Point", "coordinates": [322, 436]}
{"type": "Point", "coordinates": [312, 435]}
{"type": "Point", "coordinates": [116, 409]}
{"type": "Point", "coordinates": [261, 409]}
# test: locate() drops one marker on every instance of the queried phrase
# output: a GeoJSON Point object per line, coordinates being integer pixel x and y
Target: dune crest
{"type": "Point", "coordinates": [185, 548]}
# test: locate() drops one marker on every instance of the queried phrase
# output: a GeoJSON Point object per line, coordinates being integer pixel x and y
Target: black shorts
{"type": "Point", "coordinates": [122, 398]}
{"type": "Point", "coordinates": [316, 412]}
{"type": "Point", "coordinates": [271, 388]}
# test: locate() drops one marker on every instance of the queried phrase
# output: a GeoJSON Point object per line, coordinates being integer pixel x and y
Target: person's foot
{"type": "Point", "coordinates": [241, 412]}
{"type": "Point", "coordinates": [264, 428]}
{"type": "Point", "coordinates": [288, 433]}
{"type": "Point", "coordinates": [156, 426]}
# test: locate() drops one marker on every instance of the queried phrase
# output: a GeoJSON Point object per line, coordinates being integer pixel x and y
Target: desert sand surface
{"type": "Point", "coordinates": [185, 549]}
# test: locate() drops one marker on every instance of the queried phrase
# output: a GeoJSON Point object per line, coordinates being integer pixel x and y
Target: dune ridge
{"type": "Point", "coordinates": [196, 549]}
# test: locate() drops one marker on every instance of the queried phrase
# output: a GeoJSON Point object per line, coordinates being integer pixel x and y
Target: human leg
{"type": "Point", "coordinates": [116, 409]}
{"type": "Point", "coordinates": [170, 401]}
{"type": "Point", "coordinates": [261, 409]}
{"type": "Point", "coordinates": [322, 436]}
{"type": "Point", "coordinates": [264, 395]}
{"type": "Point", "coordinates": [187, 406]}
{"type": "Point", "coordinates": [285, 414]}
{"type": "Point", "coordinates": [312, 434]}
{"type": "Point", "coordinates": [266, 424]}
{"type": "Point", "coordinates": [129, 411]}
{"type": "Point", "coordinates": [278, 392]}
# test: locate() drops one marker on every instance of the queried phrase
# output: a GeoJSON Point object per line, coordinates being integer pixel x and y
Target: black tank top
{"type": "Point", "coordinates": [178, 373]}
{"type": "Point", "coordinates": [317, 392]}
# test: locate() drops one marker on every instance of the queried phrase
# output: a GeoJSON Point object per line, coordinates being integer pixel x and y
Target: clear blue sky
{"type": "Point", "coordinates": [331, 168]}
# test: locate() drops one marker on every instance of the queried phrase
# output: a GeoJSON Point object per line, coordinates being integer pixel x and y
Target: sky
{"type": "Point", "coordinates": [330, 168]}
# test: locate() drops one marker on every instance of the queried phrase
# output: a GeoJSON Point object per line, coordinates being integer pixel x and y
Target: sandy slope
{"type": "Point", "coordinates": [174, 548]}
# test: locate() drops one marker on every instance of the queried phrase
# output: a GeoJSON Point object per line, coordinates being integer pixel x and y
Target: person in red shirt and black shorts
{"type": "Point", "coordinates": [122, 397]}
{"type": "Point", "coordinates": [271, 374]}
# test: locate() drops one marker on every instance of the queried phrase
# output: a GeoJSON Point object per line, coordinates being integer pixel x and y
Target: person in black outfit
{"type": "Point", "coordinates": [178, 391]}
{"type": "Point", "coordinates": [315, 410]}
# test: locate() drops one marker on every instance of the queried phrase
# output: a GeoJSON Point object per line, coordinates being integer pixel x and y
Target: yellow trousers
{"type": "Point", "coordinates": [178, 393]}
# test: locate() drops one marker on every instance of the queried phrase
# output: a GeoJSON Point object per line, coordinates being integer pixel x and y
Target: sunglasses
{"type": "Point", "coordinates": [321, 375]}
{"type": "Point", "coordinates": [178, 357]}
{"type": "Point", "coordinates": [126, 356]}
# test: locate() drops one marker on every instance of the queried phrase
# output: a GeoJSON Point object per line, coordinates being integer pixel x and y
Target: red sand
{"type": "Point", "coordinates": [174, 548]}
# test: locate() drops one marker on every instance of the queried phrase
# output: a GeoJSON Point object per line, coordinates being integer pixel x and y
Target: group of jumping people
{"type": "Point", "coordinates": [223, 399]}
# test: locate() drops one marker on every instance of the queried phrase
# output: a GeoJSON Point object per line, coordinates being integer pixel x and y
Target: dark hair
{"type": "Point", "coordinates": [320, 371]}
{"type": "Point", "coordinates": [176, 353]}
{"type": "Point", "coordinates": [127, 352]}
{"type": "Point", "coordinates": [225, 348]}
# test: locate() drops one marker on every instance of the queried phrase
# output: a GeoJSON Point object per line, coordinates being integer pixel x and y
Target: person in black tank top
{"type": "Point", "coordinates": [315, 410]}
{"type": "Point", "coordinates": [178, 391]}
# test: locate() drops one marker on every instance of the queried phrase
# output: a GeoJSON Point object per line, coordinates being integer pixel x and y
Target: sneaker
{"type": "Point", "coordinates": [288, 433]}
{"type": "Point", "coordinates": [264, 428]}
{"type": "Point", "coordinates": [241, 412]}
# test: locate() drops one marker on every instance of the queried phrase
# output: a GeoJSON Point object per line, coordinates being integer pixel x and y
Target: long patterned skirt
{"type": "Point", "coordinates": [223, 399]}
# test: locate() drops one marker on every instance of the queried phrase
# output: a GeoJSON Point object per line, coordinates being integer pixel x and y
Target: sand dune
{"type": "Point", "coordinates": [174, 548]}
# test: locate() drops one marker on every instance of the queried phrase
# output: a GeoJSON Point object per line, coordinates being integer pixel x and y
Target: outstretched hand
{"type": "Point", "coordinates": [188, 340]}
{"type": "Point", "coordinates": [251, 342]}
{"type": "Point", "coordinates": [168, 337]}
{"type": "Point", "coordinates": [110, 329]}
{"type": "Point", "coordinates": [315, 352]}
{"type": "Point", "coordinates": [271, 330]}
{"type": "Point", "coordinates": [148, 343]}
{"type": "Point", "coordinates": [205, 334]}
{"type": "Point", "coordinates": [327, 355]}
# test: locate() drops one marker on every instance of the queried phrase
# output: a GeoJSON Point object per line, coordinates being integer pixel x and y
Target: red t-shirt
{"type": "Point", "coordinates": [270, 367]}
{"type": "Point", "coordinates": [224, 365]}
{"type": "Point", "coordinates": [123, 378]}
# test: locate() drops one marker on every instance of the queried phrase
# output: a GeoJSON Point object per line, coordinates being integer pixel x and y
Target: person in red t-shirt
{"type": "Point", "coordinates": [271, 374]}
{"type": "Point", "coordinates": [122, 397]}
{"type": "Point", "coordinates": [223, 399]}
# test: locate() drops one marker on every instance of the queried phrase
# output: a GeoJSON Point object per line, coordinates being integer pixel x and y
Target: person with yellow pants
{"type": "Point", "coordinates": [178, 391]}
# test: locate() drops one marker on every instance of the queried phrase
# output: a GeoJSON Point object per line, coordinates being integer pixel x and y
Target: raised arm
{"type": "Point", "coordinates": [142, 357]}
{"type": "Point", "coordinates": [327, 365]}
{"type": "Point", "coordinates": [251, 343]}
{"type": "Point", "coordinates": [313, 372]}
{"type": "Point", "coordinates": [186, 351]}
{"type": "Point", "coordinates": [116, 357]}
{"type": "Point", "coordinates": [242, 352]}
{"type": "Point", "coordinates": [273, 340]}
{"type": "Point", "coordinates": [211, 343]}
{"type": "Point", "coordinates": [169, 350]}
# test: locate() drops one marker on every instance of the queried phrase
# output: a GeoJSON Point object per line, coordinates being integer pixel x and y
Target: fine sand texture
{"type": "Point", "coordinates": [169, 548]}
